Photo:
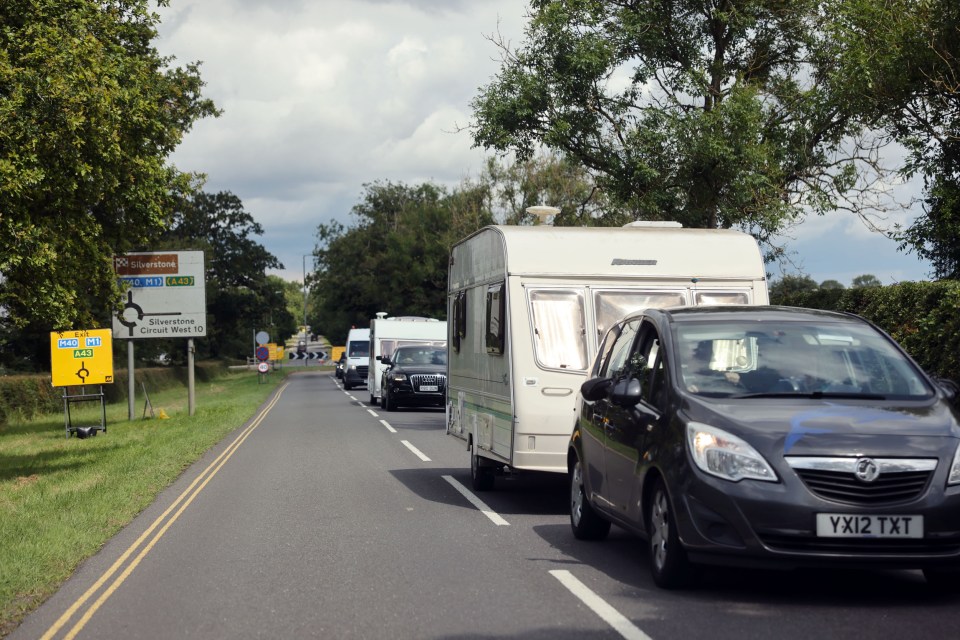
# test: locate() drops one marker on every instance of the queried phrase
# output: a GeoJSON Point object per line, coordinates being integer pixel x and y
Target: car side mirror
{"type": "Point", "coordinates": [626, 392]}
{"type": "Point", "coordinates": [950, 388]}
{"type": "Point", "coordinates": [385, 360]}
{"type": "Point", "coordinates": [595, 388]}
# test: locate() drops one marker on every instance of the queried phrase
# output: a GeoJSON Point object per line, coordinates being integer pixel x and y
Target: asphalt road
{"type": "Point", "coordinates": [327, 518]}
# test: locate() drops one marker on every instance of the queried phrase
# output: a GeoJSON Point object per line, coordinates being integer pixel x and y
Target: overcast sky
{"type": "Point", "coordinates": [322, 96]}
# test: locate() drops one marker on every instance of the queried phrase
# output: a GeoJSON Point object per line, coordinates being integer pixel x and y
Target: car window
{"type": "Point", "coordinates": [618, 360]}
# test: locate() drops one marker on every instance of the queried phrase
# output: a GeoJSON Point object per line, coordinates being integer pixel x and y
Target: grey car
{"type": "Point", "coordinates": [770, 437]}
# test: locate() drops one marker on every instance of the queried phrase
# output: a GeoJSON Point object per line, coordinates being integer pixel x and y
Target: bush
{"type": "Point", "coordinates": [924, 317]}
{"type": "Point", "coordinates": [24, 397]}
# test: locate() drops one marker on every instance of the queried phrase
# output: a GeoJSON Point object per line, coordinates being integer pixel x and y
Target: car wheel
{"type": "Point", "coordinates": [481, 477]}
{"type": "Point", "coordinates": [373, 400]}
{"type": "Point", "coordinates": [585, 522]}
{"type": "Point", "coordinates": [942, 581]}
{"type": "Point", "coordinates": [668, 560]}
{"type": "Point", "coordinates": [388, 402]}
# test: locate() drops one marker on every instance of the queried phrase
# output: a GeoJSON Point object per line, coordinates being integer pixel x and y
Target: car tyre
{"type": "Point", "coordinates": [389, 403]}
{"type": "Point", "coordinates": [943, 581]}
{"type": "Point", "coordinates": [669, 565]}
{"type": "Point", "coordinates": [584, 520]}
{"type": "Point", "coordinates": [481, 477]}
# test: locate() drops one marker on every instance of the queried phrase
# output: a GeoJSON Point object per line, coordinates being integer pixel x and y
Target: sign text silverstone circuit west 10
{"type": "Point", "coordinates": [166, 296]}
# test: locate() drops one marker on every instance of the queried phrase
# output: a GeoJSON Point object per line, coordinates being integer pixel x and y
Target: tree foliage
{"type": "Point", "coordinates": [900, 59]}
{"type": "Point", "coordinates": [89, 113]}
{"type": "Point", "coordinates": [715, 114]}
{"type": "Point", "coordinates": [394, 259]}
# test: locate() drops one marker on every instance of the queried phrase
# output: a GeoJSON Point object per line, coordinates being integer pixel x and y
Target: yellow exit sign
{"type": "Point", "coordinates": [81, 357]}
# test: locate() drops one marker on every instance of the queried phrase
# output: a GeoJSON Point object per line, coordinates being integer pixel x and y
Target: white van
{"type": "Point", "coordinates": [357, 351]}
{"type": "Point", "coordinates": [386, 334]}
{"type": "Point", "coordinates": [528, 305]}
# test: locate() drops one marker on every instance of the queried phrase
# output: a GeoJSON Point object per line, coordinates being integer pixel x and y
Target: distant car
{"type": "Point", "coordinates": [301, 347]}
{"type": "Point", "coordinates": [341, 363]}
{"type": "Point", "coordinates": [416, 375]}
{"type": "Point", "coordinates": [767, 436]}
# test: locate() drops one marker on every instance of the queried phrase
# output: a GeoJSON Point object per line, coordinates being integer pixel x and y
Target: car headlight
{"type": "Point", "coordinates": [954, 477]}
{"type": "Point", "coordinates": [398, 377]}
{"type": "Point", "coordinates": [726, 456]}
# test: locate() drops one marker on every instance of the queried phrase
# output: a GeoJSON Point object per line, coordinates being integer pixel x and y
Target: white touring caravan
{"type": "Point", "coordinates": [527, 307]}
{"type": "Point", "coordinates": [386, 334]}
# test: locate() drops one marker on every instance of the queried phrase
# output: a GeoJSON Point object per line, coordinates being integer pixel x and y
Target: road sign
{"type": "Point", "coordinates": [263, 337]}
{"type": "Point", "coordinates": [263, 367]}
{"type": "Point", "coordinates": [276, 351]}
{"type": "Point", "coordinates": [81, 357]}
{"type": "Point", "coordinates": [262, 353]}
{"type": "Point", "coordinates": [304, 355]}
{"type": "Point", "coordinates": [166, 297]}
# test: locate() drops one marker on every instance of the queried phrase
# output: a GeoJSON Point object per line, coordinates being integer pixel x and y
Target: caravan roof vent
{"type": "Point", "coordinates": [662, 224]}
{"type": "Point", "coordinates": [381, 315]}
{"type": "Point", "coordinates": [542, 212]}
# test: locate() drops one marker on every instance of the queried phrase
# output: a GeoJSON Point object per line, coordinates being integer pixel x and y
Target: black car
{"type": "Point", "coordinates": [767, 436]}
{"type": "Point", "coordinates": [341, 364]}
{"type": "Point", "coordinates": [416, 375]}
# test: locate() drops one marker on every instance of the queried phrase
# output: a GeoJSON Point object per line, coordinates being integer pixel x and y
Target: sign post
{"type": "Point", "coordinates": [166, 298]}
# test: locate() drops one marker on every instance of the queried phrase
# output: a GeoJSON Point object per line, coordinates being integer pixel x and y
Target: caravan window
{"type": "Point", "coordinates": [459, 315]}
{"type": "Point", "coordinates": [496, 318]}
{"type": "Point", "coordinates": [721, 297]}
{"type": "Point", "coordinates": [559, 328]}
{"type": "Point", "coordinates": [611, 305]}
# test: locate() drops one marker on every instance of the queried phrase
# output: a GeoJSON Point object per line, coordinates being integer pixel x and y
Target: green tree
{"type": "Point", "coordinates": [790, 285]}
{"type": "Point", "coordinates": [831, 285]}
{"type": "Point", "coordinates": [866, 280]}
{"type": "Point", "coordinates": [89, 113]}
{"type": "Point", "coordinates": [394, 258]}
{"type": "Point", "coordinates": [241, 298]}
{"type": "Point", "coordinates": [710, 113]}
{"type": "Point", "coordinates": [900, 60]}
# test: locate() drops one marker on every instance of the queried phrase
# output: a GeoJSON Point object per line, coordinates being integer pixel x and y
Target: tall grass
{"type": "Point", "coordinates": [62, 498]}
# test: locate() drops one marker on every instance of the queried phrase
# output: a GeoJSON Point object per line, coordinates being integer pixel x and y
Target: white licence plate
{"type": "Point", "coordinates": [429, 387]}
{"type": "Point", "coordinates": [845, 525]}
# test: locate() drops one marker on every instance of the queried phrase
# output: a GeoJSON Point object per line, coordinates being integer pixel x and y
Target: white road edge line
{"type": "Point", "coordinates": [371, 412]}
{"type": "Point", "coordinates": [416, 451]}
{"type": "Point", "coordinates": [477, 502]}
{"type": "Point", "coordinates": [599, 606]}
{"type": "Point", "coordinates": [387, 425]}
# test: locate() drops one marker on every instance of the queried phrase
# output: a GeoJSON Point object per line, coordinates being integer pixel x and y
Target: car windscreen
{"type": "Point", "coordinates": [748, 358]}
{"type": "Point", "coordinates": [359, 349]}
{"type": "Point", "coordinates": [420, 355]}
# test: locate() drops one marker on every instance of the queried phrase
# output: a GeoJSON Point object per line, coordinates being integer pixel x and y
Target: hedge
{"type": "Point", "coordinates": [924, 317]}
{"type": "Point", "coordinates": [23, 397]}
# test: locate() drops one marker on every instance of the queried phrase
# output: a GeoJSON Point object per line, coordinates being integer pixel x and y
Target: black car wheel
{"type": "Point", "coordinates": [481, 477]}
{"type": "Point", "coordinates": [585, 522]}
{"type": "Point", "coordinates": [942, 581]}
{"type": "Point", "coordinates": [668, 560]}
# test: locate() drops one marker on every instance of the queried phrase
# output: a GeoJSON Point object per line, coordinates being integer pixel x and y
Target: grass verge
{"type": "Point", "coordinates": [62, 498]}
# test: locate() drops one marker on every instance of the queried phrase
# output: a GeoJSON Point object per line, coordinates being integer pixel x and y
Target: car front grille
{"type": "Point", "coordinates": [420, 379]}
{"type": "Point", "coordinates": [845, 487]}
{"type": "Point", "coordinates": [892, 480]}
{"type": "Point", "coordinates": [362, 371]}
{"type": "Point", "coordinates": [861, 546]}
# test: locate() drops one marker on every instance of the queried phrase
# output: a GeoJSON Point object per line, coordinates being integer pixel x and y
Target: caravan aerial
{"type": "Point", "coordinates": [528, 305]}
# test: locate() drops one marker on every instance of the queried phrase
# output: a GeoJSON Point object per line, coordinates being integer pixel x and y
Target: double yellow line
{"type": "Point", "coordinates": [154, 533]}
